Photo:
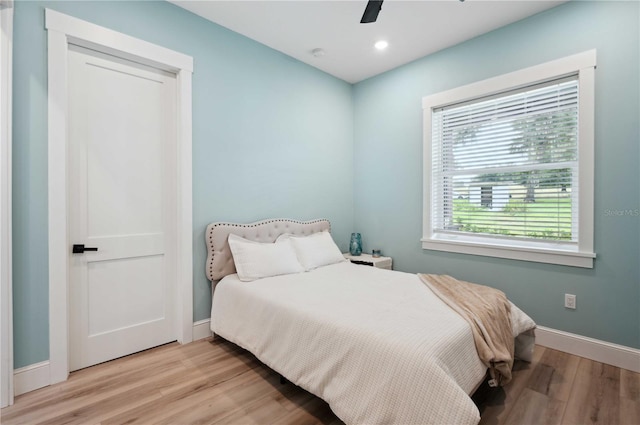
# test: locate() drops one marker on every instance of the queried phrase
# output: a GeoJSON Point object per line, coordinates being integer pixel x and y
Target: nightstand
{"type": "Point", "coordinates": [368, 260]}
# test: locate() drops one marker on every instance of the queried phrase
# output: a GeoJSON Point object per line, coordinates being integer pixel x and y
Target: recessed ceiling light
{"type": "Point", "coordinates": [381, 45]}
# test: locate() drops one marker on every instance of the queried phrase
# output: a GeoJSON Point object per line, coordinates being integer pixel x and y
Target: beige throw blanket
{"type": "Point", "coordinates": [487, 311]}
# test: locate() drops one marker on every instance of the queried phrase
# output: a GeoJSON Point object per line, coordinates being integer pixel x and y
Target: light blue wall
{"type": "Point", "coordinates": [272, 137]}
{"type": "Point", "coordinates": [388, 166]}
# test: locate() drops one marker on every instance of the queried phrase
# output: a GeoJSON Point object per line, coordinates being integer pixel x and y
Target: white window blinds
{"type": "Point", "coordinates": [506, 166]}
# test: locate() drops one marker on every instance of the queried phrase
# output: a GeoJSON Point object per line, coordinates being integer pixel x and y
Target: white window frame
{"type": "Point", "coordinates": [580, 255]}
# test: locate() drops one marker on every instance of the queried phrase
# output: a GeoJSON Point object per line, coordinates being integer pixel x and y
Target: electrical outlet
{"type": "Point", "coordinates": [570, 301]}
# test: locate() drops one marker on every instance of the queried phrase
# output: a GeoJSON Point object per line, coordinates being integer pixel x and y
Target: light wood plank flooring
{"type": "Point", "coordinates": [209, 382]}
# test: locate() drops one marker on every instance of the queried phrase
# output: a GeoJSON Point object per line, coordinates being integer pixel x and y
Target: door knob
{"type": "Point", "coordinates": [80, 248]}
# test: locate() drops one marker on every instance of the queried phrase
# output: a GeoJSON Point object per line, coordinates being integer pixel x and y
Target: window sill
{"type": "Point", "coordinates": [534, 254]}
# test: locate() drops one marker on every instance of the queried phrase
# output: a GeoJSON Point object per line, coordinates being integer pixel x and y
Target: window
{"type": "Point", "coordinates": [509, 165]}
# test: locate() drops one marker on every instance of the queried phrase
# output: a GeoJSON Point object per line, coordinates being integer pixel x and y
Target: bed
{"type": "Point", "coordinates": [377, 345]}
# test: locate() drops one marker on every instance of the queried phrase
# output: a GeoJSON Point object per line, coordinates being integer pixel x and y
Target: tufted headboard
{"type": "Point", "coordinates": [219, 259]}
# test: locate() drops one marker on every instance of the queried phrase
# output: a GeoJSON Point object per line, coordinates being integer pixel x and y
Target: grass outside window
{"type": "Point", "coordinates": [549, 217]}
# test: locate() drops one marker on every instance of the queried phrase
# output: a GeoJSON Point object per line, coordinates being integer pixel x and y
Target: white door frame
{"type": "Point", "coordinates": [6, 311]}
{"type": "Point", "coordinates": [62, 30]}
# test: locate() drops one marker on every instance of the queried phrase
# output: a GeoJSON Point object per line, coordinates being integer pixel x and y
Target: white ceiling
{"type": "Point", "coordinates": [413, 28]}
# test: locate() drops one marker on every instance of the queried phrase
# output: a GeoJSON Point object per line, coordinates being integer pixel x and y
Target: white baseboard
{"type": "Point", "coordinates": [201, 329]}
{"type": "Point", "coordinates": [590, 348]}
{"type": "Point", "coordinates": [32, 377]}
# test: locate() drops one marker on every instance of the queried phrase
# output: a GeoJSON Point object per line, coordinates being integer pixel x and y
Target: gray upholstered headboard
{"type": "Point", "coordinates": [219, 259]}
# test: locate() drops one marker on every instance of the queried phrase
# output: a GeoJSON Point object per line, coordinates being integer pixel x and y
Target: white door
{"type": "Point", "coordinates": [122, 174]}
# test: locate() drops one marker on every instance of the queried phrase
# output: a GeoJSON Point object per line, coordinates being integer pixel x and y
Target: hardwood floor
{"type": "Point", "coordinates": [209, 382]}
{"type": "Point", "coordinates": [559, 388]}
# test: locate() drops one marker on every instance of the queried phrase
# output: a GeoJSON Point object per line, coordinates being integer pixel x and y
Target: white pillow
{"type": "Point", "coordinates": [315, 250]}
{"type": "Point", "coordinates": [255, 260]}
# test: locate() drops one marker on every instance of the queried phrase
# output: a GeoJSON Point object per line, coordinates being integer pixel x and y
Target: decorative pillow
{"type": "Point", "coordinates": [255, 260]}
{"type": "Point", "coordinates": [315, 250]}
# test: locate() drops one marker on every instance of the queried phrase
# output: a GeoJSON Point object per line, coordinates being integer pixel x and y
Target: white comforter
{"type": "Point", "coordinates": [377, 345]}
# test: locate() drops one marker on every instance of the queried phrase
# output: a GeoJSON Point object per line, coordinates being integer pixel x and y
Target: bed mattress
{"type": "Point", "coordinates": [377, 345]}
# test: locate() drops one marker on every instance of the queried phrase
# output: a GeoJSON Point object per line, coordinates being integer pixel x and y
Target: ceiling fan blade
{"type": "Point", "coordinates": [371, 11]}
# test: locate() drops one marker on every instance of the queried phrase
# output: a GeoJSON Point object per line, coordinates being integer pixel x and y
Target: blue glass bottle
{"type": "Point", "coordinates": [355, 247]}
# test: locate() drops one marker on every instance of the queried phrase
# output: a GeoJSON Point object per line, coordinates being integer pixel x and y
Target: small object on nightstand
{"type": "Point", "coordinates": [368, 260]}
{"type": "Point", "coordinates": [355, 246]}
{"type": "Point", "coordinates": [375, 253]}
